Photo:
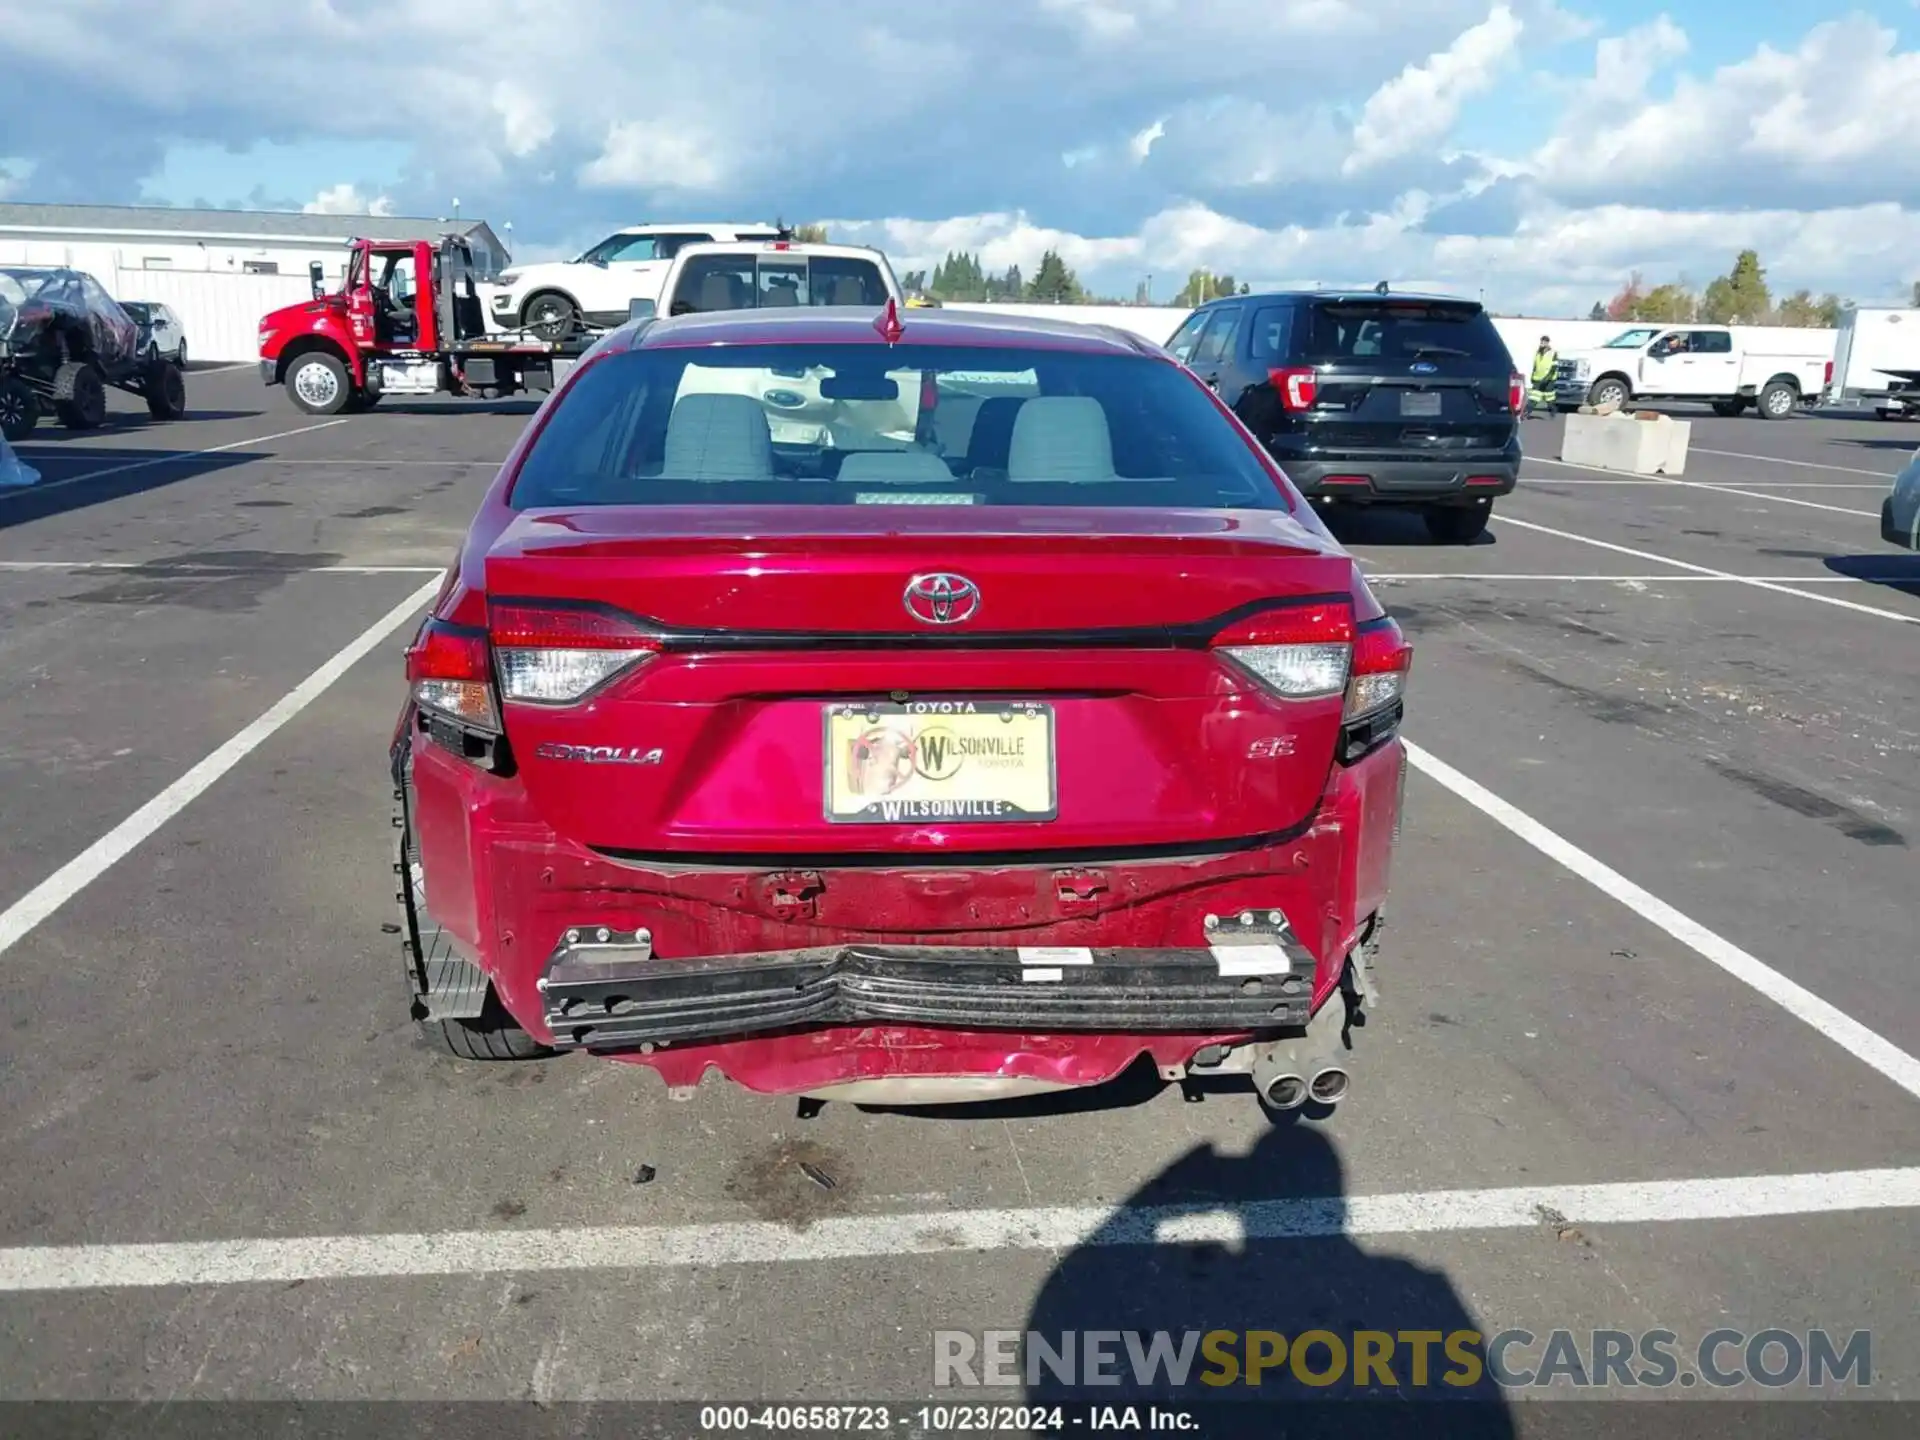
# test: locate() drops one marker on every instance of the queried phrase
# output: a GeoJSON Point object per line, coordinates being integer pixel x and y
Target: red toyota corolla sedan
{"type": "Point", "coordinates": [908, 708]}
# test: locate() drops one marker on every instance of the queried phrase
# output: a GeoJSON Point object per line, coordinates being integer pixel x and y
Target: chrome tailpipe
{"type": "Point", "coordinates": [1278, 1087]}
{"type": "Point", "coordinates": [1329, 1086]}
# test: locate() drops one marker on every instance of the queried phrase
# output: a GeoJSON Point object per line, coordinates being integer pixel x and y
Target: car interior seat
{"type": "Point", "coordinates": [1061, 438]}
{"type": "Point", "coordinates": [717, 437]}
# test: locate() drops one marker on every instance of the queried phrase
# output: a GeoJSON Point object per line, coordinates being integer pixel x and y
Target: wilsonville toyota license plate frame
{"type": "Point", "coordinates": [939, 762]}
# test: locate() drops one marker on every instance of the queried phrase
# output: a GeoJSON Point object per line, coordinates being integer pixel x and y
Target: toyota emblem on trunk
{"type": "Point", "coordinates": [942, 599]}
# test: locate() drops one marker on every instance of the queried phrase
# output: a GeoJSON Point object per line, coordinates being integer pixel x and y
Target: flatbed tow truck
{"type": "Point", "coordinates": [385, 332]}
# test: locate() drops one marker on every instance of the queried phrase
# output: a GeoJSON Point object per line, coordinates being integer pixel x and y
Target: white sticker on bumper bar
{"type": "Point", "coordinates": [1251, 959]}
{"type": "Point", "coordinates": [1043, 962]}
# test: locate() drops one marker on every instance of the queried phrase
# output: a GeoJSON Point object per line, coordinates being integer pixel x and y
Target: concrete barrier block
{"type": "Point", "coordinates": [1642, 445]}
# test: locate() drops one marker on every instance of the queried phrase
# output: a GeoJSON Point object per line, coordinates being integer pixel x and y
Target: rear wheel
{"type": "Point", "coordinates": [1728, 408]}
{"type": "Point", "coordinates": [491, 1035]}
{"type": "Point", "coordinates": [317, 383]}
{"type": "Point", "coordinates": [180, 356]}
{"type": "Point", "coordinates": [1777, 399]}
{"type": "Point", "coordinates": [550, 316]}
{"type": "Point", "coordinates": [1458, 524]}
{"type": "Point", "coordinates": [80, 396]}
{"type": "Point", "coordinates": [165, 391]}
{"type": "Point", "coordinates": [19, 408]}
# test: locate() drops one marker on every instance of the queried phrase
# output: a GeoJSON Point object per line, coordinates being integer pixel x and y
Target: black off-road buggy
{"type": "Point", "coordinates": [63, 341]}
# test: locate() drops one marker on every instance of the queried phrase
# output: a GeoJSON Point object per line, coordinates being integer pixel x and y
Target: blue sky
{"type": "Point", "coordinates": [1544, 150]}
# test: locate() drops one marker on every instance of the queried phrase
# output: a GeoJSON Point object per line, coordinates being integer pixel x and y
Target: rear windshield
{"type": "Point", "coordinates": [1400, 330]}
{"type": "Point", "coordinates": [876, 425]}
{"type": "Point", "coordinates": [765, 279]}
{"type": "Point", "coordinates": [137, 309]}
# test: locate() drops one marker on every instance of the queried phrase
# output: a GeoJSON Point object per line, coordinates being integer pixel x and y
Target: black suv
{"type": "Point", "coordinates": [1369, 397]}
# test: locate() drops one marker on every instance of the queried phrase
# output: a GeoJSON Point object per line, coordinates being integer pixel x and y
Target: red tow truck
{"type": "Point", "coordinates": [407, 321]}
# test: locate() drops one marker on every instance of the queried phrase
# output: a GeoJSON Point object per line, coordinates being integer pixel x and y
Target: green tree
{"type": "Point", "coordinates": [1830, 309]}
{"type": "Point", "coordinates": [1054, 283]}
{"type": "Point", "coordinates": [811, 234]}
{"type": "Point", "coordinates": [1667, 305]}
{"type": "Point", "coordinates": [1740, 297]}
{"type": "Point", "coordinates": [1204, 285]}
{"type": "Point", "coordinates": [1599, 311]}
{"type": "Point", "coordinates": [1913, 298]}
{"type": "Point", "coordinates": [913, 280]}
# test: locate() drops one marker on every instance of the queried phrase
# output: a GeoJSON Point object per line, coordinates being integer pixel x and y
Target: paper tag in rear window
{"type": "Point", "coordinates": [1419, 402]}
{"type": "Point", "coordinates": [912, 497]}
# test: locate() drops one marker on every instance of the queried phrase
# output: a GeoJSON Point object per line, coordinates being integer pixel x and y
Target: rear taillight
{"type": "Point", "coordinates": [557, 655]}
{"type": "Point", "coordinates": [1381, 657]}
{"type": "Point", "coordinates": [1516, 392]}
{"type": "Point", "coordinates": [1826, 379]}
{"type": "Point", "coordinates": [1299, 653]}
{"type": "Point", "coordinates": [1314, 652]}
{"type": "Point", "coordinates": [447, 668]}
{"type": "Point", "coordinates": [1297, 388]}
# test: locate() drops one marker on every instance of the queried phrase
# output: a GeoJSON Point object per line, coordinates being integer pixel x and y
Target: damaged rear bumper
{"type": "Point", "coordinates": [604, 990]}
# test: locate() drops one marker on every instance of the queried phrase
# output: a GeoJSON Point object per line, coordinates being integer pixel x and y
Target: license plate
{"type": "Point", "coordinates": [958, 761]}
{"type": "Point", "coordinates": [1419, 402]}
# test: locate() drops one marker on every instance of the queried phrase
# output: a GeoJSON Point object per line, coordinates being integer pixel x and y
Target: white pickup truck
{"type": "Point", "coordinates": [1705, 364]}
{"type": "Point", "coordinates": [771, 274]}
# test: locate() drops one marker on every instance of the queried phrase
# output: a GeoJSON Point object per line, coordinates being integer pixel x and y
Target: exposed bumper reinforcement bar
{"type": "Point", "coordinates": [614, 994]}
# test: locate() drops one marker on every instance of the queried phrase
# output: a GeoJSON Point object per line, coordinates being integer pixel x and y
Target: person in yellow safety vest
{"type": "Point", "coordinates": [1541, 391]}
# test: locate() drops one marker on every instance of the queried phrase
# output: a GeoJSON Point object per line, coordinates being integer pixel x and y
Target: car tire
{"type": "Point", "coordinates": [493, 1034]}
{"type": "Point", "coordinates": [19, 409]}
{"type": "Point", "coordinates": [317, 383]}
{"type": "Point", "coordinates": [165, 391]}
{"type": "Point", "coordinates": [1727, 409]}
{"type": "Point", "coordinates": [80, 396]}
{"type": "Point", "coordinates": [180, 357]}
{"type": "Point", "coordinates": [1605, 390]}
{"type": "Point", "coordinates": [550, 315]}
{"type": "Point", "coordinates": [1776, 400]}
{"type": "Point", "coordinates": [1457, 524]}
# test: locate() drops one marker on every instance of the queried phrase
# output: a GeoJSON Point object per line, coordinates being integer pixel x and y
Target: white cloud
{"type": "Point", "coordinates": [1141, 145]}
{"type": "Point", "coordinates": [1276, 139]}
{"type": "Point", "coordinates": [346, 199]}
{"type": "Point", "coordinates": [1821, 119]}
{"type": "Point", "coordinates": [1418, 107]}
{"type": "Point", "coordinates": [648, 154]}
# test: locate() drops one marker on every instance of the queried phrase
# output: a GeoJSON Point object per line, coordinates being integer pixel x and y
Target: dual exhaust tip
{"type": "Point", "coordinates": [1290, 1092]}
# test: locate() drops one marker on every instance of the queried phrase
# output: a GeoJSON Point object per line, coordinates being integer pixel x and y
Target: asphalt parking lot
{"type": "Point", "coordinates": [1645, 1057]}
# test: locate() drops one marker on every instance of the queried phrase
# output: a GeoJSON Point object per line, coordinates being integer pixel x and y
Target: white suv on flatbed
{"type": "Point", "coordinates": [597, 290]}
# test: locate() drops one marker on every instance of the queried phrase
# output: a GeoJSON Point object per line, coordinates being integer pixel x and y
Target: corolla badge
{"type": "Point", "coordinates": [1424, 367]}
{"type": "Point", "coordinates": [600, 754]}
{"type": "Point", "coordinates": [941, 598]}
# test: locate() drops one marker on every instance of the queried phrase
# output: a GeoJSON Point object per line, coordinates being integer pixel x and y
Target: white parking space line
{"type": "Point", "coordinates": [1865, 1045]}
{"type": "Point", "coordinates": [1771, 585]}
{"type": "Point", "coordinates": [943, 1232]}
{"type": "Point", "coordinates": [1748, 493]}
{"type": "Point", "coordinates": [177, 458]}
{"type": "Point", "coordinates": [1796, 464]}
{"type": "Point", "coordinates": [1635, 579]}
{"type": "Point", "coordinates": [359, 460]}
{"type": "Point", "coordinates": [160, 568]}
{"type": "Point", "coordinates": [20, 918]}
{"type": "Point", "coordinates": [1556, 480]}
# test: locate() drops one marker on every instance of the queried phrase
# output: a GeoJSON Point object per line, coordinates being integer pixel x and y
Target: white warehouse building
{"type": "Point", "coordinates": [220, 270]}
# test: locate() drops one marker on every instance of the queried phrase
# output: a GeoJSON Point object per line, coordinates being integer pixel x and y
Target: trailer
{"type": "Point", "coordinates": [1872, 349]}
{"type": "Point", "coordinates": [407, 320]}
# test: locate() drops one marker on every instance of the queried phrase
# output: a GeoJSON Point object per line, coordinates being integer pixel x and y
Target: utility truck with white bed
{"type": "Point", "coordinates": [1700, 364]}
